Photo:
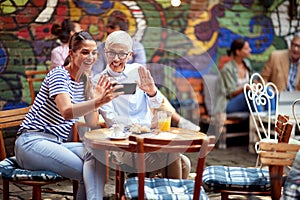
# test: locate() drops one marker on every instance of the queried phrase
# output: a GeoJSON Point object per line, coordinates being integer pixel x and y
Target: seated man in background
{"type": "Point", "coordinates": [117, 21]}
{"type": "Point", "coordinates": [282, 67]}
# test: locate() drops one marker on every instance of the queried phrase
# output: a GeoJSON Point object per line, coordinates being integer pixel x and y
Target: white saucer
{"type": "Point", "coordinates": [124, 137]}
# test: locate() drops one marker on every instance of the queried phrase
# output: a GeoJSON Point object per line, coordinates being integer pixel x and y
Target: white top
{"type": "Point", "coordinates": [131, 108]}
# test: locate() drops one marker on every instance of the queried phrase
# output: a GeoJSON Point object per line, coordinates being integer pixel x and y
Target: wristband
{"type": "Point", "coordinates": [152, 95]}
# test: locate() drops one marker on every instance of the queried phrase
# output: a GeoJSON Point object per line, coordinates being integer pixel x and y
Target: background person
{"type": "Point", "coordinates": [118, 21]}
{"type": "Point", "coordinates": [67, 94]}
{"type": "Point", "coordinates": [135, 108]}
{"type": "Point", "coordinates": [63, 32]}
{"type": "Point", "coordinates": [282, 68]}
{"type": "Point", "coordinates": [235, 74]}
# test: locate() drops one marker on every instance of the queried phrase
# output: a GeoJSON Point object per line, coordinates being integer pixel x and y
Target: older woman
{"type": "Point", "coordinates": [135, 108]}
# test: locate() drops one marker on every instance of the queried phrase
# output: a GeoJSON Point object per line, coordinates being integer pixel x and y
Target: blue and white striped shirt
{"type": "Point", "coordinates": [44, 114]}
{"type": "Point", "coordinates": [293, 69]}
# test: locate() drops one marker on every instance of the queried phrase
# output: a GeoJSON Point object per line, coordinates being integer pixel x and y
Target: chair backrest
{"type": "Point", "coordinates": [281, 154]}
{"type": "Point", "coordinates": [142, 145]}
{"type": "Point", "coordinates": [10, 118]}
{"type": "Point", "coordinates": [259, 95]}
{"type": "Point", "coordinates": [32, 77]}
{"type": "Point", "coordinates": [283, 128]}
{"type": "Point", "coordinates": [276, 156]}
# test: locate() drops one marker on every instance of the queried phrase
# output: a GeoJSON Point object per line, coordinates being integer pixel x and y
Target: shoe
{"type": "Point", "coordinates": [184, 123]}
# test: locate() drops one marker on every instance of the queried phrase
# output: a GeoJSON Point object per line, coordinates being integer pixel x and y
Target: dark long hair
{"type": "Point", "coordinates": [236, 44]}
{"type": "Point", "coordinates": [118, 18]}
{"type": "Point", "coordinates": [75, 43]}
{"type": "Point", "coordinates": [63, 31]}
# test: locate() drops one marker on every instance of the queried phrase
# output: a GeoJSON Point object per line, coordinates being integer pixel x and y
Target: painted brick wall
{"type": "Point", "coordinates": [187, 40]}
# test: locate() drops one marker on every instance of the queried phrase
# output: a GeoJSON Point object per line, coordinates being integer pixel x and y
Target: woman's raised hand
{"type": "Point", "coordinates": [104, 90]}
{"type": "Point", "coordinates": [146, 81]}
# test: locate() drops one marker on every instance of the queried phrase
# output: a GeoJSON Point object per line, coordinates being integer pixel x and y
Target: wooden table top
{"type": "Point", "coordinates": [100, 138]}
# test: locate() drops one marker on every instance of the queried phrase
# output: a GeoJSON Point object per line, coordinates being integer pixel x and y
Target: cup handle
{"type": "Point", "coordinates": [256, 146]}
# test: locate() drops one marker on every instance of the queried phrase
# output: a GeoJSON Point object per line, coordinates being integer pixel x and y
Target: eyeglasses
{"type": "Point", "coordinates": [113, 54]}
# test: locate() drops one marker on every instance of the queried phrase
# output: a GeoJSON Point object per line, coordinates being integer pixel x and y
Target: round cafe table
{"type": "Point", "coordinates": [101, 138]}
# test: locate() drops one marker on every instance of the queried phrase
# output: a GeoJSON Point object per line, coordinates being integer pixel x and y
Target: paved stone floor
{"type": "Point", "coordinates": [235, 155]}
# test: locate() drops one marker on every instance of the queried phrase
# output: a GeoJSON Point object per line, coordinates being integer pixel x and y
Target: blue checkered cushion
{"type": "Point", "coordinates": [236, 178]}
{"type": "Point", "coordinates": [10, 170]}
{"type": "Point", "coordinates": [162, 188]}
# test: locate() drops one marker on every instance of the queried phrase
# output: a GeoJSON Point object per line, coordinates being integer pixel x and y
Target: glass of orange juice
{"type": "Point", "coordinates": [164, 120]}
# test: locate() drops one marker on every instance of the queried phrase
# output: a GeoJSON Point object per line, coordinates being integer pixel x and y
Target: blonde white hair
{"type": "Point", "coordinates": [119, 37]}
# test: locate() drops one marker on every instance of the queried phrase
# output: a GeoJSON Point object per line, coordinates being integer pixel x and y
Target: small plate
{"type": "Point", "coordinates": [136, 133]}
{"type": "Point", "coordinates": [118, 138]}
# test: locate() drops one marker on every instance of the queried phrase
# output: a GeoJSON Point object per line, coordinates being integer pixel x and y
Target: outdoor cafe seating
{"type": "Point", "coordinates": [141, 187]}
{"type": "Point", "coordinates": [11, 172]}
{"type": "Point", "coordinates": [252, 180]}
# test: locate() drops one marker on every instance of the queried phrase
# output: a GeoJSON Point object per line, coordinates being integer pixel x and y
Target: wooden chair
{"type": "Point", "coordinates": [34, 76]}
{"type": "Point", "coordinates": [188, 189]}
{"type": "Point", "coordinates": [276, 156]}
{"type": "Point", "coordinates": [11, 172]}
{"type": "Point", "coordinates": [245, 181]}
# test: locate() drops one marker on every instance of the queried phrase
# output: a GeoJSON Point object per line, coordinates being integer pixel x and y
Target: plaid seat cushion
{"type": "Point", "coordinates": [236, 178]}
{"type": "Point", "coordinates": [162, 188]}
{"type": "Point", "coordinates": [10, 170]}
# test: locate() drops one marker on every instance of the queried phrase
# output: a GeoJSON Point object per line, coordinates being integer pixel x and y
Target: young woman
{"type": "Point", "coordinates": [65, 95]}
{"type": "Point", "coordinates": [235, 74]}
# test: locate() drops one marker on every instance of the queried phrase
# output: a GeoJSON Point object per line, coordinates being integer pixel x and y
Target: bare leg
{"type": "Point", "coordinates": [186, 166]}
{"type": "Point", "coordinates": [179, 169]}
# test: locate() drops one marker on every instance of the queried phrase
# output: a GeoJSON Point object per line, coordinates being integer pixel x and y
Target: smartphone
{"type": "Point", "coordinates": [129, 88]}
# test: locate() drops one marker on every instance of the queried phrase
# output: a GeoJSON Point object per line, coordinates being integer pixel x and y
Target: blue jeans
{"type": "Point", "coordinates": [239, 104]}
{"type": "Point", "coordinates": [43, 151]}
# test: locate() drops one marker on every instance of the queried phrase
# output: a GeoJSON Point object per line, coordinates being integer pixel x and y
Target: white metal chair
{"type": "Point", "coordinates": [258, 95]}
{"type": "Point", "coordinates": [294, 114]}
{"type": "Point", "coordinates": [295, 140]}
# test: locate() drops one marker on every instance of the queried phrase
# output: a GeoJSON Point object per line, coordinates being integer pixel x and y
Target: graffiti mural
{"type": "Point", "coordinates": [188, 39]}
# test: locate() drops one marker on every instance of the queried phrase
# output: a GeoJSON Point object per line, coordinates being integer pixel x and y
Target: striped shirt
{"type": "Point", "coordinates": [44, 114]}
{"type": "Point", "coordinates": [292, 76]}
